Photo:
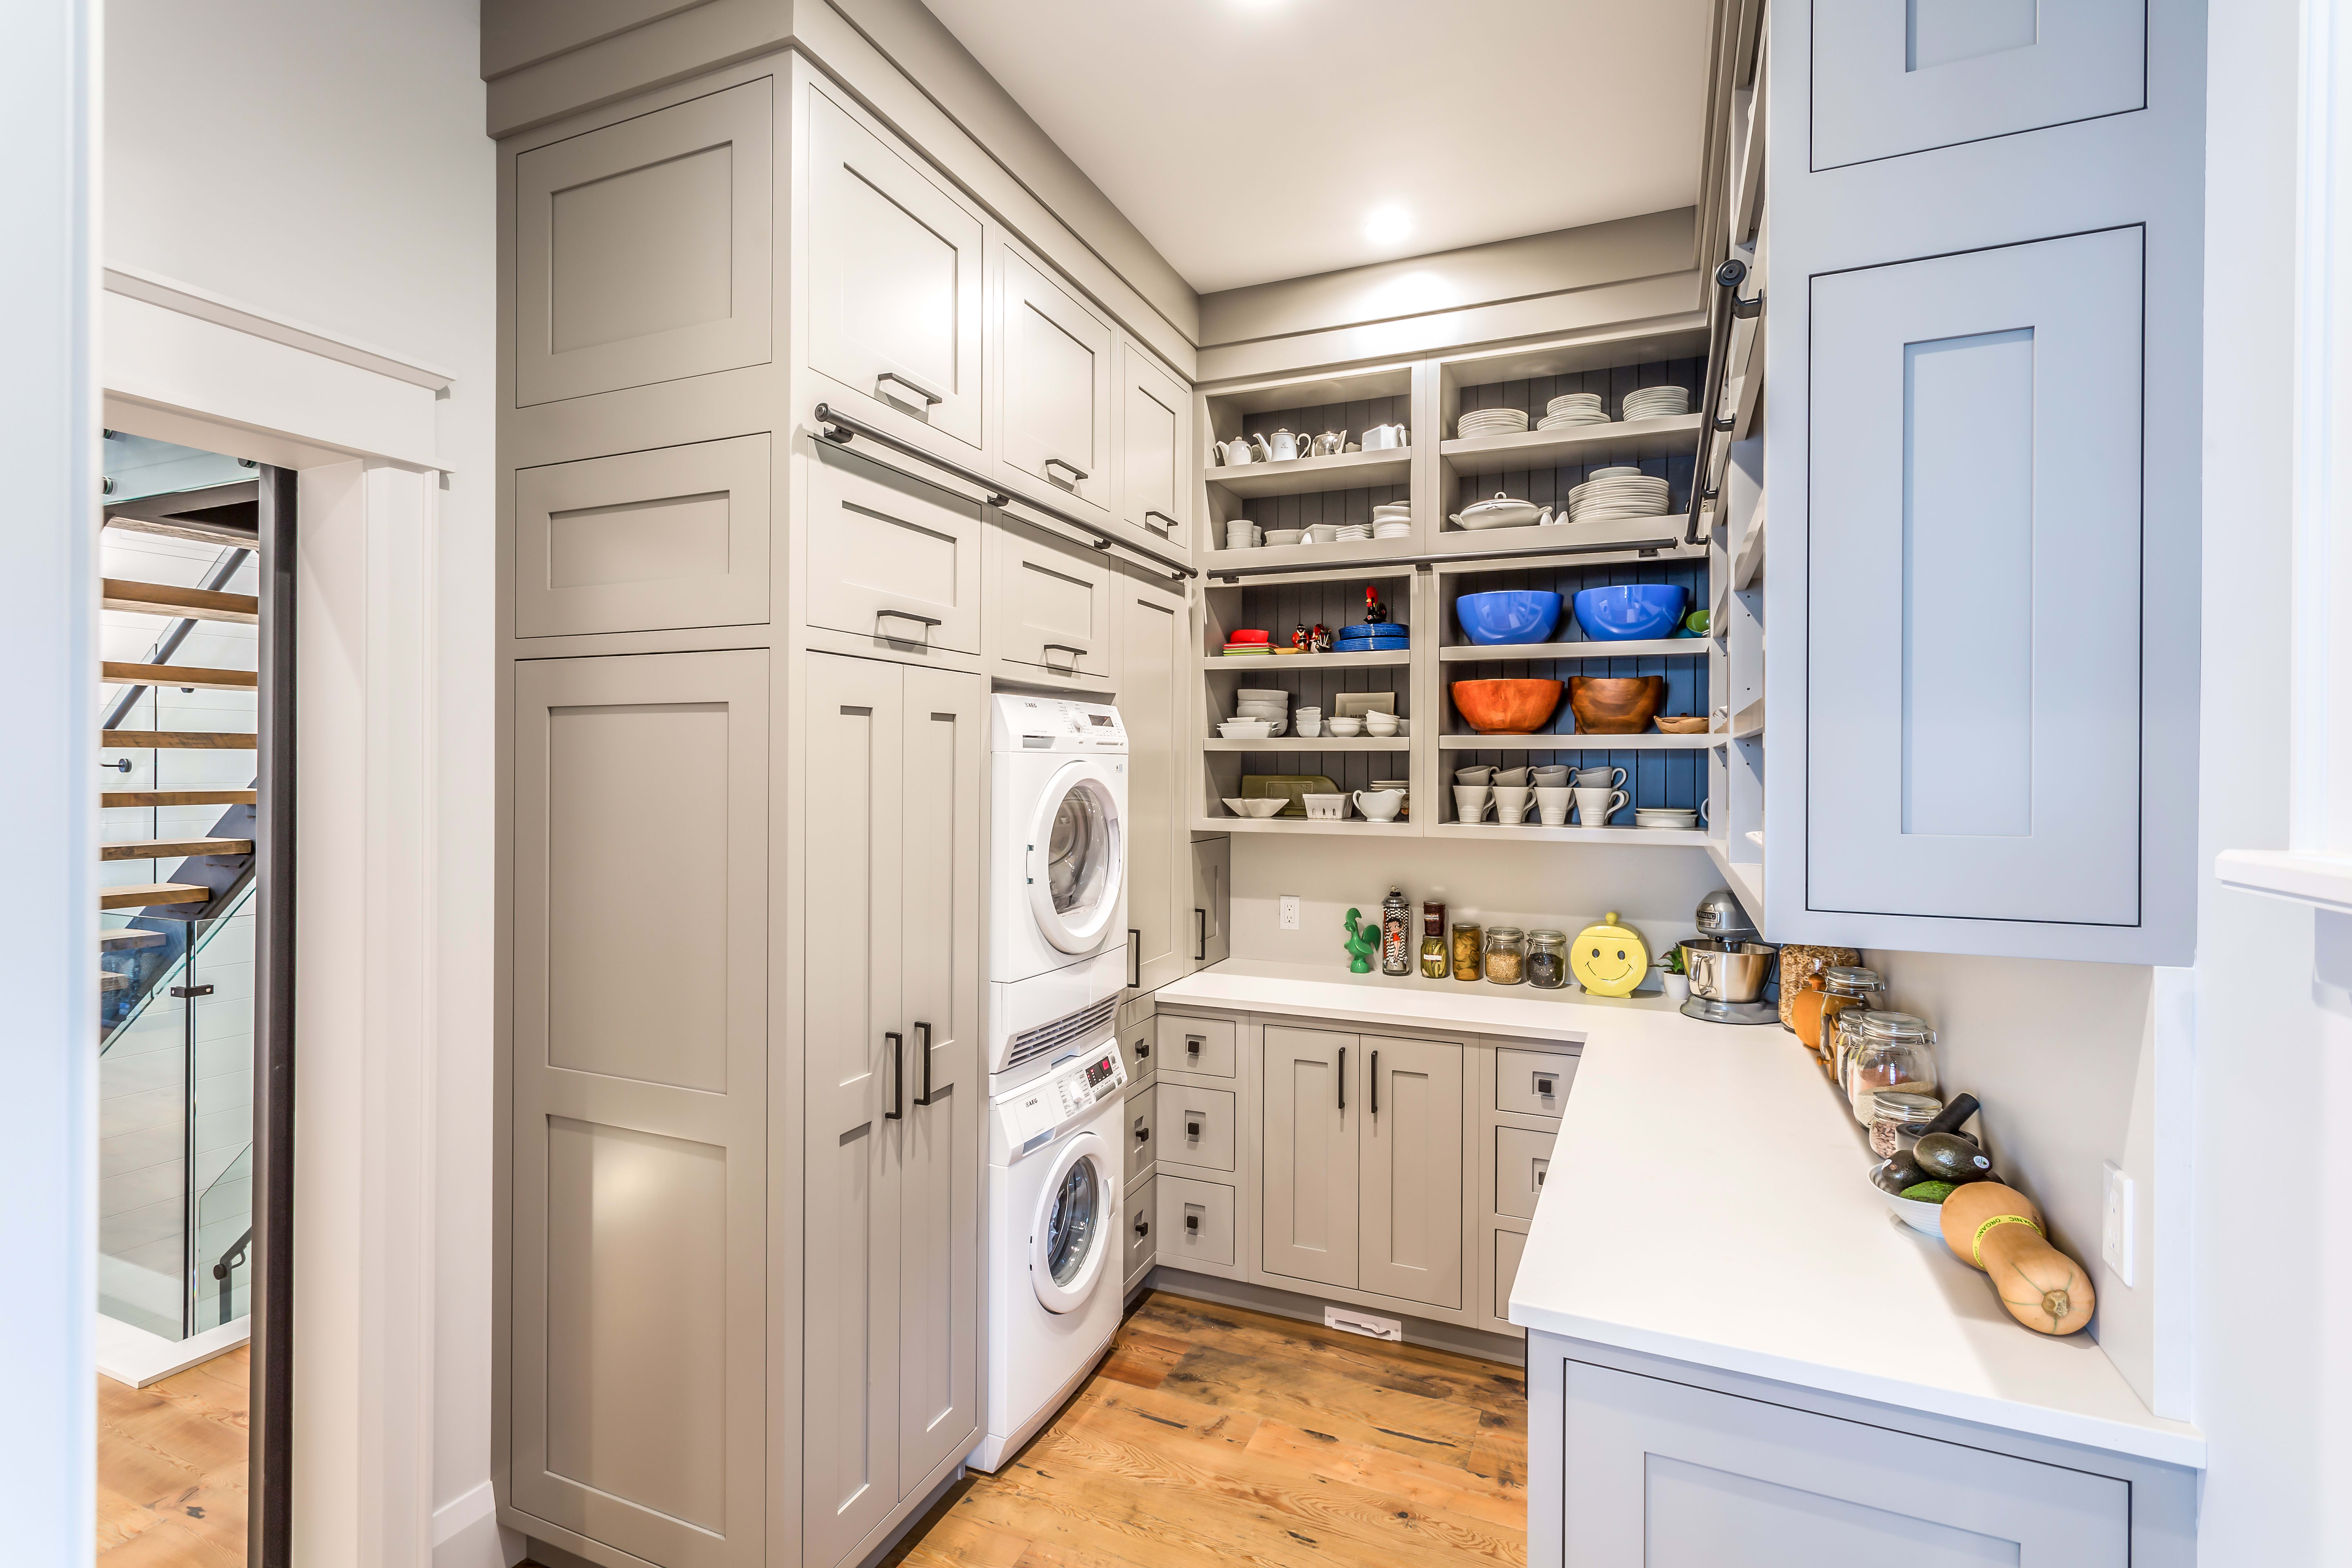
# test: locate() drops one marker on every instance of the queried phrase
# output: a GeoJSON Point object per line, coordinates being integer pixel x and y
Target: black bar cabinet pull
{"type": "Point", "coordinates": [1376, 1083]}
{"type": "Point", "coordinates": [923, 1045]}
{"type": "Point", "coordinates": [1200, 935]}
{"type": "Point", "coordinates": [1163, 517]}
{"type": "Point", "coordinates": [1343, 1078]}
{"type": "Point", "coordinates": [907, 615]}
{"type": "Point", "coordinates": [911, 385]}
{"type": "Point", "coordinates": [1065, 463]}
{"type": "Point", "coordinates": [898, 1076]}
{"type": "Point", "coordinates": [1135, 958]}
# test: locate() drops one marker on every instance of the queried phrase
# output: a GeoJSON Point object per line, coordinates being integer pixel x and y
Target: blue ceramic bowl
{"type": "Point", "coordinates": [1631, 613]}
{"type": "Point", "coordinates": [1511, 615]}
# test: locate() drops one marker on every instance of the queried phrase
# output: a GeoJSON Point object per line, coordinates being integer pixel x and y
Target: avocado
{"type": "Point", "coordinates": [1899, 1172]}
{"type": "Point", "coordinates": [1929, 1192]}
{"type": "Point", "coordinates": [1949, 1157]}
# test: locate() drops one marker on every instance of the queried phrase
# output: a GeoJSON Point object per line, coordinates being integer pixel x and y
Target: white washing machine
{"type": "Point", "coordinates": [1054, 1257]}
{"type": "Point", "coordinates": [1057, 940]}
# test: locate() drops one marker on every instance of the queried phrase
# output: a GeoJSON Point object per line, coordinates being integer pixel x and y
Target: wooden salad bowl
{"type": "Point", "coordinates": [1682, 724]}
{"type": "Point", "coordinates": [1615, 705]}
{"type": "Point", "coordinates": [1506, 707]}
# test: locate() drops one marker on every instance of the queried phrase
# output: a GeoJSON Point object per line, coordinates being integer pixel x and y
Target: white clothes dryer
{"type": "Point", "coordinates": [1057, 938]}
{"type": "Point", "coordinates": [1054, 1259]}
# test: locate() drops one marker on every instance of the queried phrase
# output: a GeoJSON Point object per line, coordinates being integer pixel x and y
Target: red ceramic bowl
{"type": "Point", "coordinates": [1248, 637]}
{"type": "Point", "coordinates": [1506, 707]}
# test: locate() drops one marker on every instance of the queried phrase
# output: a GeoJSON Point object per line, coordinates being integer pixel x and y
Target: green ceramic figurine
{"type": "Point", "coordinates": [1362, 937]}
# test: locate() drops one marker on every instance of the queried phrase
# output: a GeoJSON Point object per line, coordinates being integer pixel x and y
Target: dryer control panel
{"type": "Point", "coordinates": [1056, 724]}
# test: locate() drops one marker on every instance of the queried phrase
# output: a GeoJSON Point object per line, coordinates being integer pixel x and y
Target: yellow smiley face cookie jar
{"type": "Point", "coordinates": [1608, 959]}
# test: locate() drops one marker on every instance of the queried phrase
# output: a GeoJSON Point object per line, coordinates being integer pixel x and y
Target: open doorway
{"type": "Point", "coordinates": [195, 1040]}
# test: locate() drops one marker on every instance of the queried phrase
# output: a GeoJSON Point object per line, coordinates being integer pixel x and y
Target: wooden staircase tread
{"type": "Point", "coordinates": [139, 895]}
{"type": "Point", "coordinates": [178, 739]}
{"type": "Point", "coordinates": [122, 937]}
{"type": "Point", "coordinates": [127, 674]}
{"type": "Point", "coordinates": [108, 980]}
{"type": "Point", "coordinates": [183, 603]}
{"type": "Point", "coordinates": [167, 848]}
{"type": "Point", "coordinates": [134, 797]}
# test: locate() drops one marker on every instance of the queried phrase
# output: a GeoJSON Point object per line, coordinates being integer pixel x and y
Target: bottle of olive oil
{"type": "Point", "coordinates": [1433, 942]}
{"type": "Point", "coordinates": [1396, 934]}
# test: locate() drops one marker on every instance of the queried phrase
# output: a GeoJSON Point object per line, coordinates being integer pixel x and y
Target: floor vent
{"type": "Point", "coordinates": [1348, 1320]}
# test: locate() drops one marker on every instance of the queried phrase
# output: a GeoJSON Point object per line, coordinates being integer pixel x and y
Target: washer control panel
{"type": "Point", "coordinates": [1034, 1115]}
{"type": "Point", "coordinates": [1056, 724]}
{"type": "Point", "coordinates": [1085, 1084]}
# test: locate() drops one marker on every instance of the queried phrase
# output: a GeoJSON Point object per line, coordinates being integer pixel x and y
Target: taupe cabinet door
{"type": "Point", "coordinates": [645, 250]}
{"type": "Point", "coordinates": [890, 557]}
{"type": "Point", "coordinates": [1410, 1160]}
{"type": "Point", "coordinates": [641, 893]}
{"type": "Point", "coordinates": [1057, 380]}
{"type": "Point", "coordinates": [1312, 1192]}
{"type": "Point", "coordinates": [1155, 442]}
{"type": "Point", "coordinates": [1212, 860]}
{"type": "Point", "coordinates": [1053, 608]}
{"type": "Point", "coordinates": [895, 292]}
{"type": "Point", "coordinates": [892, 1207]}
{"type": "Point", "coordinates": [1151, 687]}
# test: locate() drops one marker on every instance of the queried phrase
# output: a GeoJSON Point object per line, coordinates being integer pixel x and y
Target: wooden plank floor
{"type": "Point", "coordinates": [1215, 1433]}
{"type": "Point", "coordinates": [171, 1469]}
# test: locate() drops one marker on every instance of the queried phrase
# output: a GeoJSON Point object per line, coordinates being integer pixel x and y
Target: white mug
{"type": "Point", "coordinates": [1594, 808]}
{"type": "Point", "coordinates": [1554, 777]}
{"type": "Point", "coordinates": [1511, 801]}
{"type": "Point", "coordinates": [1473, 776]}
{"type": "Point", "coordinates": [1510, 778]}
{"type": "Point", "coordinates": [1379, 805]}
{"type": "Point", "coordinates": [1599, 778]}
{"type": "Point", "coordinates": [1552, 802]}
{"type": "Point", "coordinates": [1324, 807]}
{"type": "Point", "coordinates": [1470, 802]}
{"type": "Point", "coordinates": [1704, 807]}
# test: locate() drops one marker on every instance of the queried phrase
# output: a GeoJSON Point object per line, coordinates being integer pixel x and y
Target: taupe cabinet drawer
{"type": "Point", "coordinates": [1137, 1048]}
{"type": "Point", "coordinates": [1140, 1225]}
{"type": "Point", "coordinates": [1195, 1221]}
{"type": "Point", "coordinates": [1522, 1157]}
{"type": "Point", "coordinates": [1050, 614]}
{"type": "Point", "coordinates": [1532, 1083]}
{"type": "Point", "coordinates": [1204, 1046]}
{"type": "Point", "coordinates": [890, 557]}
{"type": "Point", "coordinates": [1195, 1125]}
{"type": "Point", "coordinates": [1142, 1139]}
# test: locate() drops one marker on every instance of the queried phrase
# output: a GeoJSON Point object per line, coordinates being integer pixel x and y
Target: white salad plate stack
{"type": "Point", "coordinates": [1617, 492]}
{"type": "Point", "coordinates": [1657, 401]}
{"type": "Point", "coordinates": [1392, 519]}
{"type": "Point", "coordinates": [1492, 422]}
{"type": "Point", "coordinates": [1573, 408]}
{"type": "Point", "coordinates": [1350, 531]}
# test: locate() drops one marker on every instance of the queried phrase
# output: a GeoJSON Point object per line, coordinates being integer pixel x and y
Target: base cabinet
{"type": "Point", "coordinates": [1632, 1466]}
{"type": "Point", "coordinates": [894, 1099]}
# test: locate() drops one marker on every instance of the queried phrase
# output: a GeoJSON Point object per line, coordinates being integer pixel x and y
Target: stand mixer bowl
{"type": "Point", "coordinates": [1727, 970]}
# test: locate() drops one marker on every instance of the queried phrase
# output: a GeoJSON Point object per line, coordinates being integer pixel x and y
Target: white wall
{"type": "Point", "coordinates": [327, 163]}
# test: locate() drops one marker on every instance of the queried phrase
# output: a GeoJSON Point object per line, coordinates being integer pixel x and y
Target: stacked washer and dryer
{"type": "Point", "coordinates": [1057, 961]}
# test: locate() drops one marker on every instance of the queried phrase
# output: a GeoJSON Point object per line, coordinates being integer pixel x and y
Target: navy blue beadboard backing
{"type": "Point", "coordinates": [1549, 487]}
{"type": "Point", "coordinates": [1674, 778]}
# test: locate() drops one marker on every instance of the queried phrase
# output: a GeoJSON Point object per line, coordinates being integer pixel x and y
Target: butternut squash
{"type": "Point", "coordinates": [1998, 1230]}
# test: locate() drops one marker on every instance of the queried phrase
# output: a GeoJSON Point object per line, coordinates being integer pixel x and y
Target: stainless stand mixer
{"type": "Point", "coordinates": [1728, 967]}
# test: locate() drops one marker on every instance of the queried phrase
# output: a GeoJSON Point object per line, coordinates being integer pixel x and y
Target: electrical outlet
{"type": "Point", "coordinates": [1290, 912]}
{"type": "Point", "coordinates": [2117, 1212]}
{"type": "Point", "coordinates": [1348, 1320]}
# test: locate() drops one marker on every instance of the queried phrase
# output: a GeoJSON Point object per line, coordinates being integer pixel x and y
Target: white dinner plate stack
{"type": "Point", "coordinates": [1617, 492]}
{"type": "Point", "coordinates": [1573, 408]}
{"type": "Point", "coordinates": [1657, 401]}
{"type": "Point", "coordinates": [1392, 519]}
{"type": "Point", "coordinates": [1492, 422]}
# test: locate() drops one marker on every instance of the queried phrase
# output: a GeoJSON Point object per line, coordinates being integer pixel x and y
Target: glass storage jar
{"type": "Point", "coordinates": [1507, 955]}
{"type": "Point", "coordinates": [1547, 960]}
{"type": "Point", "coordinates": [1895, 1112]}
{"type": "Point", "coordinates": [1815, 1011]}
{"type": "Point", "coordinates": [1434, 959]}
{"type": "Point", "coordinates": [1469, 945]}
{"type": "Point", "coordinates": [1886, 1050]}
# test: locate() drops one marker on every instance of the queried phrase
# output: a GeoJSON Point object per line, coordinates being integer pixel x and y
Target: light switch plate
{"type": "Point", "coordinates": [1290, 912]}
{"type": "Point", "coordinates": [2117, 1212]}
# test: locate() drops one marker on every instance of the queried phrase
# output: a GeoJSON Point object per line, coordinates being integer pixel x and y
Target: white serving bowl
{"type": "Point", "coordinates": [1347, 729]}
{"type": "Point", "coordinates": [1262, 694]}
{"type": "Point", "coordinates": [1256, 808]}
{"type": "Point", "coordinates": [1925, 1219]}
{"type": "Point", "coordinates": [1244, 729]}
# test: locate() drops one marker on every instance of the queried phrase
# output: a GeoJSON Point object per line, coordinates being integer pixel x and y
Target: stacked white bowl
{"type": "Point", "coordinates": [1241, 533]}
{"type": "Point", "coordinates": [1268, 704]}
{"type": "Point", "coordinates": [1392, 519]}
{"type": "Point", "coordinates": [1657, 401]}
{"type": "Point", "coordinates": [1492, 422]}
{"type": "Point", "coordinates": [1617, 492]}
{"type": "Point", "coordinates": [1573, 408]}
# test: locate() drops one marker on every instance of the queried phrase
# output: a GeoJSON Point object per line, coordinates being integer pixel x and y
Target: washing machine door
{"type": "Point", "coordinates": [1077, 857]}
{"type": "Point", "coordinates": [1074, 1225]}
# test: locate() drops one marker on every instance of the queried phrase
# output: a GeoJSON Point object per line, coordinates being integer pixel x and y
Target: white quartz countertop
{"type": "Point", "coordinates": [1790, 1269]}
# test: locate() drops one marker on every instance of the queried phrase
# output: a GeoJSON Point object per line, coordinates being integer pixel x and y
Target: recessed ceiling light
{"type": "Point", "coordinates": [1386, 225]}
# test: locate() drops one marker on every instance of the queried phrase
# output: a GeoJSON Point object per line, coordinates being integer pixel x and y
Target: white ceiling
{"type": "Point", "coordinates": [1250, 140]}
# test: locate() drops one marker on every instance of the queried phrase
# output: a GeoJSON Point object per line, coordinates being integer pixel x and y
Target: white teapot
{"type": "Point", "coordinates": [1233, 454]}
{"type": "Point", "coordinates": [1284, 447]}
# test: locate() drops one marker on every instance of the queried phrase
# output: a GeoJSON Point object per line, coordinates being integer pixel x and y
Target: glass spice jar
{"type": "Point", "coordinates": [1812, 1010]}
{"type": "Point", "coordinates": [1433, 942]}
{"type": "Point", "coordinates": [1894, 1111]}
{"type": "Point", "coordinates": [1547, 960]}
{"type": "Point", "coordinates": [1469, 943]}
{"type": "Point", "coordinates": [1507, 955]}
{"type": "Point", "coordinates": [1889, 1050]}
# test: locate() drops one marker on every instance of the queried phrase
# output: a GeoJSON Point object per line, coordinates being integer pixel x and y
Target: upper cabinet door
{"type": "Point", "coordinates": [1151, 684]}
{"type": "Point", "coordinates": [1974, 572]}
{"type": "Point", "coordinates": [1057, 382]}
{"type": "Point", "coordinates": [1891, 80]}
{"type": "Point", "coordinates": [644, 251]}
{"type": "Point", "coordinates": [1155, 432]}
{"type": "Point", "coordinates": [894, 284]}
{"type": "Point", "coordinates": [890, 557]}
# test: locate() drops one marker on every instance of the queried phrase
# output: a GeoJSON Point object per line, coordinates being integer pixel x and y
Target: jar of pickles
{"type": "Point", "coordinates": [1507, 955]}
{"type": "Point", "coordinates": [1885, 1050]}
{"type": "Point", "coordinates": [1469, 948]}
{"type": "Point", "coordinates": [1547, 960]}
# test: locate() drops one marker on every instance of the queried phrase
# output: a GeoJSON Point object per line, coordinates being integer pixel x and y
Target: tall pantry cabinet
{"type": "Point", "coordinates": [744, 727]}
